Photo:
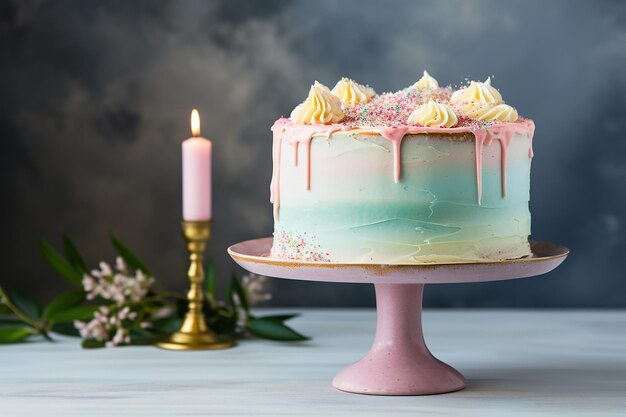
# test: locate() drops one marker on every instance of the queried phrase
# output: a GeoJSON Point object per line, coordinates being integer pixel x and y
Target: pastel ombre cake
{"type": "Point", "coordinates": [423, 175]}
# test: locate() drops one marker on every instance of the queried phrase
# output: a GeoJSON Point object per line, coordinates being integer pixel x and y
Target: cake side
{"type": "Point", "coordinates": [355, 211]}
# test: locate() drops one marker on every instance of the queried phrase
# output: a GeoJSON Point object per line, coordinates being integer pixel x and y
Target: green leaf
{"type": "Point", "coordinates": [236, 288]}
{"type": "Point", "coordinates": [222, 320]}
{"type": "Point", "coordinates": [72, 254]}
{"type": "Point", "coordinates": [59, 264]}
{"type": "Point", "coordinates": [131, 259]}
{"type": "Point", "coordinates": [230, 300]}
{"type": "Point", "coordinates": [75, 313]}
{"type": "Point", "coordinates": [63, 302]}
{"type": "Point", "coordinates": [210, 278]}
{"type": "Point", "coordinates": [66, 329]}
{"type": "Point", "coordinates": [141, 337]}
{"type": "Point", "coordinates": [273, 330]}
{"type": "Point", "coordinates": [280, 318]}
{"type": "Point", "coordinates": [12, 322]}
{"type": "Point", "coordinates": [167, 325]}
{"type": "Point", "coordinates": [15, 333]}
{"type": "Point", "coordinates": [27, 304]}
{"type": "Point", "coordinates": [92, 344]}
{"type": "Point", "coordinates": [5, 310]}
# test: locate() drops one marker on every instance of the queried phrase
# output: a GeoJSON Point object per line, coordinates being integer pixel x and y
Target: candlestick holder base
{"type": "Point", "coordinates": [194, 333]}
{"type": "Point", "coordinates": [196, 341]}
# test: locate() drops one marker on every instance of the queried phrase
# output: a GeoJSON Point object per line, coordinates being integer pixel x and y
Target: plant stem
{"type": "Point", "coordinates": [4, 299]}
{"type": "Point", "coordinates": [163, 293]}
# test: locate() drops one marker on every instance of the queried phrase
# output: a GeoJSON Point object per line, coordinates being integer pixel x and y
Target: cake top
{"type": "Point", "coordinates": [476, 105]}
{"type": "Point", "coordinates": [422, 108]}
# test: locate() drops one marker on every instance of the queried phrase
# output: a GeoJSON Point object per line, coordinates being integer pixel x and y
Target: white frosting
{"type": "Point", "coordinates": [427, 81]}
{"type": "Point", "coordinates": [479, 92]}
{"type": "Point", "coordinates": [352, 93]}
{"type": "Point", "coordinates": [320, 107]}
{"type": "Point", "coordinates": [434, 114]}
{"type": "Point", "coordinates": [481, 101]}
{"type": "Point", "coordinates": [501, 112]}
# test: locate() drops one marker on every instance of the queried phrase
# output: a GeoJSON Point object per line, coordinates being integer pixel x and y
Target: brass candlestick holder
{"type": "Point", "coordinates": [194, 333]}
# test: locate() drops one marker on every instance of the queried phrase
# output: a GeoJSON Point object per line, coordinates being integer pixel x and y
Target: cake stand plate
{"type": "Point", "coordinates": [398, 363]}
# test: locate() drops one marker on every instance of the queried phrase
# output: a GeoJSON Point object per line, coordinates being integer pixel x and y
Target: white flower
{"type": "Point", "coordinates": [109, 325]}
{"type": "Point", "coordinates": [121, 337]}
{"type": "Point", "coordinates": [93, 329]}
{"type": "Point", "coordinates": [81, 327]}
{"type": "Point", "coordinates": [162, 312]}
{"type": "Point", "coordinates": [98, 331]}
{"type": "Point", "coordinates": [88, 283]}
{"type": "Point", "coordinates": [120, 265]}
{"type": "Point", "coordinates": [123, 313]}
{"type": "Point", "coordinates": [119, 285]}
{"type": "Point", "coordinates": [242, 314]}
{"type": "Point", "coordinates": [255, 286]}
{"type": "Point", "coordinates": [105, 269]}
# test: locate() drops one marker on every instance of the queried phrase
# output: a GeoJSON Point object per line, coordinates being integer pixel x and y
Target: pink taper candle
{"type": "Point", "coordinates": [196, 174]}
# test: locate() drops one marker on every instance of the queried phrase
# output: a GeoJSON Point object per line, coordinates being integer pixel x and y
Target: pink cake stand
{"type": "Point", "coordinates": [398, 363]}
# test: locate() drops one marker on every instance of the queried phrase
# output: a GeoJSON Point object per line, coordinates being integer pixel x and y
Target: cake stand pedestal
{"type": "Point", "coordinates": [398, 363]}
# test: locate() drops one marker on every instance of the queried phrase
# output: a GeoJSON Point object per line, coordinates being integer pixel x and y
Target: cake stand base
{"type": "Point", "coordinates": [399, 363]}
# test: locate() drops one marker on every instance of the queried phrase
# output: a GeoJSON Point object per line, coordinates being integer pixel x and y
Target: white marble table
{"type": "Point", "coordinates": [569, 363]}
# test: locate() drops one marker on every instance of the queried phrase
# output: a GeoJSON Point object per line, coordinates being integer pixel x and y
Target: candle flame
{"type": "Point", "coordinates": [195, 123]}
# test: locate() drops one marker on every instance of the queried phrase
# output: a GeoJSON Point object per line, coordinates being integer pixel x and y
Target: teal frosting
{"type": "Point", "coordinates": [354, 211]}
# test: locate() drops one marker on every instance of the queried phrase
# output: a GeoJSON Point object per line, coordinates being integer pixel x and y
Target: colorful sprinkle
{"type": "Point", "coordinates": [393, 109]}
{"type": "Point", "coordinates": [300, 247]}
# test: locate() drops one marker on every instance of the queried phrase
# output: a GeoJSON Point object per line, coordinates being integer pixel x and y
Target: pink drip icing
{"type": "Point", "coordinates": [504, 148]}
{"type": "Point", "coordinates": [308, 163]}
{"type": "Point", "coordinates": [295, 153]}
{"type": "Point", "coordinates": [531, 132]}
{"type": "Point", "coordinates": [479, 142]}
{"type": "Point", "coordinates": [504, 133]}
{"type": "Point", "coordinates": [296, 134]}
{"type": "Point", "coordinates": [395, 135]}
{"type": "Point", "coordinates": [275, 183]}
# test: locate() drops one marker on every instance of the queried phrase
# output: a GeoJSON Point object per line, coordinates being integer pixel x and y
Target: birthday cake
{"type": "Point", "coordinates": [427, 174]}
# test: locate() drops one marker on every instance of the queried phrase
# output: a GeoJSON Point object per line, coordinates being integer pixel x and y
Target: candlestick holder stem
{"type": "Point", "coordinates": [194, 333]}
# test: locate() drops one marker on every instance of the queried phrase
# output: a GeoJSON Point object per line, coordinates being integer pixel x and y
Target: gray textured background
{"type": "Point", "coordinates": [95, 100]}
